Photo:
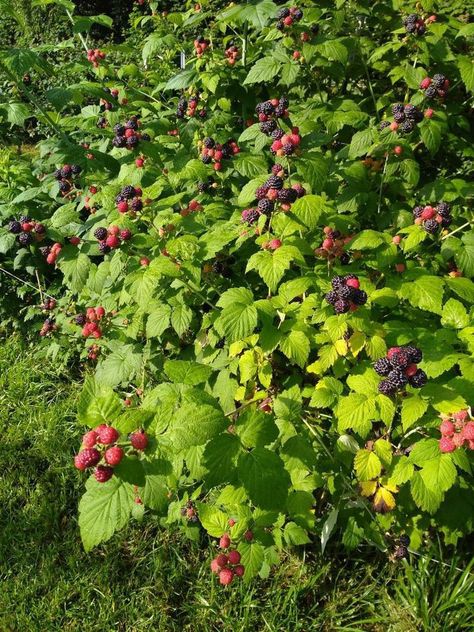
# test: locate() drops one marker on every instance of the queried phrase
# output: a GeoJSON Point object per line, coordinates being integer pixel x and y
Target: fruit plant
{"type": "Point", "coordinates": [270, 243]}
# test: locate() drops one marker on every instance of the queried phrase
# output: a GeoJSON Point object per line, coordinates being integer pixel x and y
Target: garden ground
{"type": "Point", "coordinates": [147, 579]}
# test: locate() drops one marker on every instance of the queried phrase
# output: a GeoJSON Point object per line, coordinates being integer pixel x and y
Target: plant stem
{"type": "Point", "coordinates": [26, 283]}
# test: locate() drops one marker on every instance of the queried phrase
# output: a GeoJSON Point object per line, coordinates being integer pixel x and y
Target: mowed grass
{"type": "Point", "coordinates": [146, 579]}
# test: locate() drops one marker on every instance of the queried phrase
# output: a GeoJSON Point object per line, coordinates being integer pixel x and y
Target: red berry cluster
{"type": "Point", "coordinates": [189, 512]}
{"type": "Point", "coordinates": [333, 245]}
{"type": "Point", "coordinates": [227, 565]}
{"type": "Point", "coordinates": [456, 430]}
{"type": "Point", "coordinates": [436, 87]}
{"type": "Point", "coordinates": [93, 352]}
{"type": "Point", "coordinates": [200, 45]}
{"type": "Point", "coordinates": [127, 135]}
{"type": "Point", "coordinates": [27, 230]}
{"type": "Point", "coordinates": [232, 54]}
{"type": "Point", "coordinates": [399, 368]}
{"type": "Point", "coordinates": [287, 144]}
{"type": "Point", "coordinates": [90, 321]}
{"type": "Point", "coordinates": [129, 199]}
{"type": "Point", "coordinates": [48, 327]}
{"type": "Point", "coordinates": [346, 295]}
{"type": "Point", "coordinates": [273, 244]}
{"type": "Point", "coordinates": [48, 305]}
{"type": "Point", "coordinates": [190, 108]}
{"type": "Point", "coordinates": [193, 207]}
{"type": "Point", "coordinates": [217, 152]}
{"type": "Point", "coordinates": [433, 218]}
{"type": "Point", "coordinates": [111, 238]}
{"type": "Point", "coordinates": [95, 56]}
{"type": "Point", "coordinates": [287, 16]}
{"type": "Point", "coordinates": [416, 24]}
{"type": "Point", "coordinates": [51, 252]}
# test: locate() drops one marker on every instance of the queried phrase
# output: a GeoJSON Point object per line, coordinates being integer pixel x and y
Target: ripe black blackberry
{"type": "Point", "coordinates": [128, 192]}
{"type": "Point", "coordinates": [384, 124]}
{"type": "Point", "coordinates": [45, 250]}
{"type": "Point", "coordinates": [438, 81]}
{"type": "Point", "coordinates": [104, 249]}
{"type": "Point", "coordinates": [386, 387]}
{"type": "Point", "coordinates": [410, 111]}
{"type": "Point", "coordinates": [283, 13]}
{"type": "Point", "coordinates": [268, 108]}
{"type": "Point", "coordinates": [397, 108]}
{"type": "Point", "coordinates": [401, 552]}
{"type": "Point", "coordinates": [397, 378]}
{"type": "Point", "coordinates": [40, 229]}
{"type": "Point", "coordinates": [401, 358]}
{"type": "Point", "coordinates": [337, 282]}
{"type": "Point", "coordinates": [383, 366]}
{"type": "Point", "coordinates": [206, 159]}
{"type": "Point", "coordinates": [407, 126]}
{"type": "Point", "coordinates": [250, 215]}
{"type": "Point", "coordinates": [202, 187]}
{"type": "Point", "coordinates": [298, 14]}
{"type": "Point", "coordinates": [417, 211]}
{"type": "Point", "coordinates": [14, 227]}
{"type": "Point", "coordinates": [443, 209]}
{"type": "Point", "coordinates": [288, 149]}
{"type": "Point", "coordinates": [267, 127]}
{"type": "Point", "coordinates": [119, 141]}
{"type": "Point", "coordinates": [280, 25]}
{"type": "Point", "coordinates": [76, 169]}
{"type": "Point", "coordinates": [431, 92]}
{"type": "Point", "coordinates": [100, 233]}
{"type": "Point", "coordinates": [146, 137]}
{"type": "Point", "coordinates": [287, 195]}
{"type": "Point", "coordinates": [220, 343]}
{"type": "Point", "coordinates": [399, 117]}
{"type": "Point", "coordinates": [132, 141]}
{"type": "Point", "coordinates": [80, 319]}
{"type": "Point", "coordinates": [331, 297]}
{"type": "Point", "coordinates": [265, 206]}
{"type": "Point", "coordinates": [345, 292]}
{"type": "Point", "coordinates": [274, 182]}
{"type": "Point", "coordinates": [344, 259]}
{"type": "Point", "coordinates": [132, 124]}
{"type": "Point", "coordinates": [277, 134]}
{"type": "Point", "coordinates": [431, 226]}
{"type": "Point", "coordinates": [404, 540]}
{"type": "Point", "coordinates": [209, 142]}
{"type": "Point", "coordinates": [261, 192]}
{"type": "Point", "coordinates": [25, 239]}
{"type": "Point", "coordinates": [359, 297]}
{"type": "Point", "coordinates": [136, 204]}
{"type": "Point", "coordinates": [57, 174]}
{"type": "Point", "coordinates": [419, 379]}
{"type": "Point", "coordinates": [414, 353]}
{"type": "Point", "coordinates": [341, 306]}
{"type": "Point", "coordinates": [280, 111]}
{"type": "Point", "coordinates": [66, 171]}
{"type": "Point", "coordinates": [202, 115]}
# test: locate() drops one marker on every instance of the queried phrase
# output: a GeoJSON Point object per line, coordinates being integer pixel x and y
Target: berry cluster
{"type": "Point", "coordinates": [200, 45]}
{"type": "Point", "coordinates": [90, 321]}
{"type": "Point", "coordinates": [95, 56]}
{"type": "Point", "coordinates": [110, 238]}
{"type": "Point", "coordinates": [93, 352]}
{"type": "Point", "coordinates": [346, 294]}
{"type": "Point", "coordinates": [401, 551]}
{"type": "Point", "coordinates": [405, 117]}
{"type": "Point", "coordinates": [287, 16]}
{"type": "Point", "coordinates": [189, 512]}
{"type": "Point", "coordinates": [415, 24]}
{"type": "Point", "coordinates": [333, 246]}
{"type": "Point", "coordinates": [48, 305]}
{"type": "Point", "coordinates": [189, 108]}
{"type": "Point", "coordinates": [436, 87]}
{"type": "Point", "coordinates": [127, 135]}
{"type": "Point", "coordinates": [432, 218]}
{"type": "Point", "coordinates": [287, 144]}
{"type": "Point", "coordinates": [399, 368]}
{"type": "Point", "coordinates": [51, 252]}
{"type": "Point", "coordinates": [101, 444]}
{"type": "Point", "coordinates": [232, 54]}
{"type": "Point", "coordinates": [193, 207]}
{"type": "Point", "coordinates": [215, 152]}
{"type": "Point", "coordinates": [129, 199]}
{"type": "Point", "coordinates": [227, 565]}
{"type": "Point", "coordinates": [27, 230]}
{"type": "Point", "coordinates": [456, 430]}
{"type": "Point", "coordinates": [48, 326]}
{"type": "Point", "coordinates": [65, 175]}
{"type": "Point", "coordinates": [208, 186]}
{"type": "Point", "coordinates": [268, 112]}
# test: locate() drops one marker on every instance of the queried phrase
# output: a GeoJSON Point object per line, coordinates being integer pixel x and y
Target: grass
{"type": "Point", "coordinates": [146, 579]}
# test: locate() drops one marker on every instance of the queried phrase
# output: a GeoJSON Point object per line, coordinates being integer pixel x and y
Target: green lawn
{"type": "Point", "coordinates": [147, 579]}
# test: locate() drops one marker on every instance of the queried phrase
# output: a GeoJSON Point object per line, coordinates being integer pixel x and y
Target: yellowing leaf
{"type": "Point", "coordinates": [341, 347]}
{"type": "Point", "coordinates": [368, 488]}
{"type": "Point", "coordinates": [384, 501]}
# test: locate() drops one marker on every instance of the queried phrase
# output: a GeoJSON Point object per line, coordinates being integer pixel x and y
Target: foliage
{"type": "Point", "coordinates": [261, 404]}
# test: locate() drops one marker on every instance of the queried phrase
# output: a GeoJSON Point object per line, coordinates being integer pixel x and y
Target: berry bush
{"type": "Point", "coordinates": [262, 216]}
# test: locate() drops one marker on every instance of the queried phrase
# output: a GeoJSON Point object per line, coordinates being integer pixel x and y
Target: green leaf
{"type": "Point", "coordinates": [454, 315]}
{"type": "Point", "coordinates": [309, 209]}
{"type": "Point", "coordinates": [295, 345]}
{"type": "Point", "coordinates": [425, 293]}
{"type": "Point", "coordinates": [17, 113]}
{"type": "Point", "coordinates": [463, 287]}
{"type": "Point", "coordinates": [158, 321]}
{"type": "Point", "coordinates": [97, 403]}
{"type": "Point", "coordinates": [252, 557]}
{"type": "Point", "coordinates": [256, 428]}
{"type": "Point", "coordinates": [271, 266]}
{"type": "Point", "coordinates": [195, 425]}
{"type": "Point", "coordinates": [104, 509]}
{"type": "Point", "coordinates": [263, 70]}
{"type": "Point", "coordinates": [361, 142]}
{"type": "Point", "coordinates": [413, 407]}
{"type": "Point", "coordinates": [466, 69]}
{"type": "Point", "coordinates": [367, 465]}
{"type": "Point", "coordinates": [75, 267]}
{"type": "Point", "coordinates": [239, 317]}
{"type": "Point", "coordinates": [120, 366]}
{"type": "Point", "coordinates": [314, 168]}
{"type": "Point", "coordinates": [181, 316]}
{"type": "Point", "coordinates": [264, 477]}
{"type": "Point", "coordinates": [366, 240]}
{"type": "Point", "coordinates": [182, 80]}
{"type": "Point", "coordinates": [187, 372]}
{"type": "Point", "coordinates": [356, 411]}
{"type": "Point", "coordinates": [212, 519]}
{"type": "Point", "coordinates": [430, 133]}
{"type": "Point", "coordinates": [250, 165]}
{"type": "Point", "coordinates": [220, 458]}
{"type": "Point", "coordinates": [155, 492]}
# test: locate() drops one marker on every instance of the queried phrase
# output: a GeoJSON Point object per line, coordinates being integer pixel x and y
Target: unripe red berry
{"type": "Point", "coordinates": [398, 150]}
{"type": "Point", "coordinates": [122, 207]}
{"type": "Point", "coordinates": [224, 542]}
{"type": "Point", "coordinates": [231, 522]}
{"type": "Point", "coordinates": [239, 570]}
{"type": "Point", "coordinates": [86, 458]}
{"type": "Point", "coordinates": [274, 244]}
{"type": "Point", "coordinates": [248, 535]}
{"type": "Point", "coordinates": [396, 239]}
{"type": "Point", "coordinates": [234, 557]}
{"type": "Point", "coordinates": [400, 267]}
{"type": "Point", "coordinates": [411, 370]}
{"type": "Point", "coordinates": [112, 241]}
{"type": "Point", "coordinates": [226, 576]}
{"type": "Point", "coordinates": [139, 162]}
{"type": "Point", "coordinates": [393, 126]}
{"type": "Point", "coordinates": [215, 568]}
{"type": "Point", "coordinates": [221, 560]}
{"type": "Point", "coordinates": [99, 312]}
{"type": "Point", "coordinates": [139, 440]}
{"type": "Point", "coordinates": [468, 431]}
{"type": "Point", "coordinates": [446, 444]}
{"type": "Point", "coordinates": [114, 455]}
{"type": "Point", "coordinates": [461, 415]}
{"type": "Point", "coordinates": [353, 283]}
{"type": "Point", "coordinates": [89, 439]}
{"type": "Point", "coordinates": [447, 428]}
{"type": "Point", "coordinates": [425, 83]}
{"type": "Point", "coordinates": [125, 234]}
{"type": "Point", "coordinates": [107, 434]}
{"type": "Point", "coordinates": [103, 473]}
{"type": "Point", "coordinates": [113, 230]}
{"type": "Point", "coordinates": [75, 241]}
{"type": "Point", "coordinates": [144, 261]}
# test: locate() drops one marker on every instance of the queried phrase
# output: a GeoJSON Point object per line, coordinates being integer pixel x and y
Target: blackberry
{"type": "Point", "coordinates": [341, 306]}
{"type": "Point", "coordinates": [25, 239]}
{"type": "Point", "coordinates": [267, 127]}
{"type": "Point", "coordinates": [146, 137]}
{"type": "Point", "coordinates": [182, 104]}
{"type": "Point", "coordinates": [128, 192]}
{"type": "Point", "coordinates": [431, 92]}
{"type": "Point", "coordinates": [80, 319]}
{"type": "Point", "coordinates": [404, 540]}
{"type": "Point", "coordinates": [274, 182]}
{"type": "Point", "coordinates": [397, 108]}
{"type": "Point", "coordinates": [298, 14]}
{"type": "Point", "coordinates": [417, 211]}
{"type": "Point", "coordinates": [331, 297]}
{"type": "Point", "coordinates": [383, 366]}
{"type": "Point", "coordinates": [100, 233]}
{"type": "Point", "coordinates": [258, 108]}
{"type": "Point", "coordinates": [410, 27]}
{"type": "Point", "coordinates": [64, 186]}
{"type": "Point", "coordinates": [119, 141]}
{"type": "Point", "coordinates": [206, 159]}
{"type": "Point", "coordinates": [76, 170]}
{"type": "Point", "coordinates": [104, 249]}
{"type": "Point", "coordinates": [227, 151]}
{"type": "Point", "coordinates": [45, 250]}
{"type": "Point", "coordinates": [287, 195]}
{"type": "Point", "coordinates": [431, 226]}
{"type": "Point", "coordinates": [438, 80]}
{"type": "Point", "coordinates": [261, 192]}
{"type": "Point", "coordinates": [288, 149]}
{"type": "Point", "coordinates": [209, 143]}
{"type": "Point", "coordinates": [250, 215]}
{"type": "Point", "coordinates": [14, 227]}
{"type": "Point", "coordinates": [40, 229]}
{"type": "Point", "coordinates": [410, 110]}
{"type": "Point", "coordinates": [407, 126]}
{"type": "Point", "coordinates": [101, 122]}
{"type": "Point", "coordinates": [345, 292]}
{"type": "Point", "coordinates": [411, 18]}
{"type": "Point", "coordinates": [283, 13]}
{"type": "Point", "coordinates": [399, 117]}
{"type": "Point", "coordinates": [335, 234]}
{"type": "Point", "coordinates": [136, 204]}
{"type": "Point", "coordinates": [401, 552]}
{"type": "Point", "coordinates": [267, 108]}
{"type": "Point", "coordinates": [179, 114]}
{"type": "Point", "coordinates": [202, 114]}
{"type": "Point", "coordinates": [279, 111]}
{"type": "Point", "coordinates": [443, 209]}
{"type": "Point", "coordinates": [132, 124]}
{"type": "Point", "coordinates": [400, 359]}
{"type": "Point", "coordinates": [57, 174]}
{"type": "Point", "coordinates": [276, 169]}
{"type": "Point", "coordinates": [132, 141]}
{"type": "Point", "coordinates": [359, 297]}
{"type": "Point", "coordinates": [344, 259]}
{"type": "Point", "coordinates": [66, 171]}
{"type": "Point", "coordinates": [277, 134]}
{"type": "Point", "coordinates": [337, 282]}
{"type": "Point", "coordinates": [446, 221]}
{"type": "Point", "coordinates": [419, 379]}
{"type": "Point", "coordinates": [284, 102]}
{"type": "Point", "coordinates": [414, 354]}
{"type": "Point", "coordinates": [397, 378]}
{"type": "Point", "coordinates": [25, 218]}
{"type": "Point", "coordinates": [218, 267]}
{"type": "Point", "coordinates": [386, 387]}
{"type": "Point", "coordinates": [202, 187]}
{"type": "Point", "coordinates": [265, 206]}
{"type": "Point", "coordinates": [384, 124]}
